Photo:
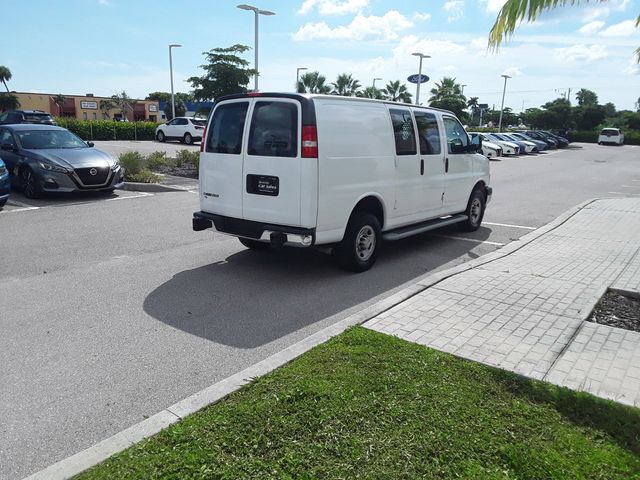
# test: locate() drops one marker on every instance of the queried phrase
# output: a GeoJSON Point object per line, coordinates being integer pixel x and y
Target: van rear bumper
{"type": "Point", "coordinates": [266, 232]}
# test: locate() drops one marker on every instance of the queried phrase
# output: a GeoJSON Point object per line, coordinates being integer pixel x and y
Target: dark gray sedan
{"type": "Point", "coordinates": [45, 158]}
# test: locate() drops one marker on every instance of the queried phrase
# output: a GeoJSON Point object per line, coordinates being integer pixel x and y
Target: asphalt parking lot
{"type": "Point", "coordinates": [112, 308]}
{"type": "Point", "coordinates": [115, 148]}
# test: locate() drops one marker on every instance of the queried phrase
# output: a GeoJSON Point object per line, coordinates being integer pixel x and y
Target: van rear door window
{"type": "Point", "coordinates": [274, 130]}
{"type": "Point", "coordinates": [227, 126]}
{"type": "Point", "coordinates": [428, 133]}
{"type": "Point", "coordinates": [403, 131]}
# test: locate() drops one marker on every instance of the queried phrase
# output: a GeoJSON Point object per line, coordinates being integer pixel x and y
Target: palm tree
{"type": "Point", "coordinates": [472, 103]}
{"type": "Point", "coordinates": [123, 101]}
{"type": "Point", "coordinates": [445, 89]}
{"type": "Point", "coordinates": [106, 106]}
{"type": "Point", "coordinates": [5, 76]}
{"type": "Point", "coordinates": [313, 82]}
{"type": "Point", "coordinates": [59, 101]}
{"type": "Point", "coordinates": [397, 92]}
{"type": "Point", "coordinates": [8, 101]}
{"type": "Point", "coordinates": [372, 92]}
{"type": "Point", "coordinates": [514, 11]}
{"type": "Point", "coordinates": [345, 85]}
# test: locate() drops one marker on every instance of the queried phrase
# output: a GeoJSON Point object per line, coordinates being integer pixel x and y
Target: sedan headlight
{"type": "Point", "coordinates": [51, 167]}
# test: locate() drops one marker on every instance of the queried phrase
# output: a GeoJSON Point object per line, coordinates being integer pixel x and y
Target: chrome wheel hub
{"type": "Point", "coordinates": [365, 243]}
{"type": "Point", "coordinates": [475, 211]}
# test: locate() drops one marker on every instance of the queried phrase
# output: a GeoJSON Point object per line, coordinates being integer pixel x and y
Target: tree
{"type": "Point", "coordinates": [610, 109]}
{"type": "Point", "coordinates": [557, 114]}
{"type": "Point", "coordinates": [106, 106]}
{"type": "Point", "coordinates": [638, 105]}
{"type": "Point", "coordinates": [448, 95]}
{"type": "Point", "coordinates": [59, 100]}
{"type": "Point", "coordinates": [345, 85]}
{"type": "Point", "coordinates": [8, 101]}
{"type": "Point", "coordinates": [514, 11]}
{"type": "Point", "coordinates": [225, 74]}
{"type": "Point", "coordinates": [5, 76]}
{"type": "Point", "coordinates": [181, 109]}
{"type": "Point", "coordinates": [588, 117]}
{"type": "Point", "coordinates": [586, 97]}
{"type": "Point", "coordinates": [472, 103]}
{"type": "Point", "coordinates": [166, 96]}
{"type": "Point", "coordinates": [123, 102]}
{"type": "Point", "coordinates": [313, 82]}
{"type": "Point", "coordinates": [372, 92]}
{"type": "Point", "coordinates": [397, 92]}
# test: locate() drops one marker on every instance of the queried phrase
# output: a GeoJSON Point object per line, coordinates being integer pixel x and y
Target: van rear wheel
{"type": "Point", "coordinates": [359, 248]}
{"type": "Point", "coordinates": [254, 244]}
{"type": "Point", "coordinates": [474, 212]}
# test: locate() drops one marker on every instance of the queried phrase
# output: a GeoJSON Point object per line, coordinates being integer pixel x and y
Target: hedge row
{"type": "Point", "coordinates": [109, 129]}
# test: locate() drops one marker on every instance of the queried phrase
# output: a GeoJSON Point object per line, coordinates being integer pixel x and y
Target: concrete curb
{"type": "Point", "coordinates": [151, 187]}
{"type": "Point", "coordinates": [99, 452]}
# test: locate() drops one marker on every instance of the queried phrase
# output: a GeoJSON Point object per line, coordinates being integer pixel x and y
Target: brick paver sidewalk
{"type": "Point", "coordinates": [526, 311]}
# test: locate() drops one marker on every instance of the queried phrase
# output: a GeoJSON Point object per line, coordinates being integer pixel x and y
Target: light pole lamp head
{"type": "Point", "coordinates": [421, 55]}
{"type": "Point", "coordinates": [174, 45]}
{"type": "Point", "coordinates": [505, 76]}
{"type": "Point", "coordinates": [244, 6]}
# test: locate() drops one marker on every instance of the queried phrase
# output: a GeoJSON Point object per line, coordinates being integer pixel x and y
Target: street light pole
{"type": "Point", "coordinates": [173, 101]}
{"type": "Point", "coordinates": [421, 55]}
{"type": "Point", "coordinates": [298, 76]}
{"type": "Point", "coordinates": [257, 12]}
{"type": "Point", "coordinates": [462, 89]}
{"type": "Point", "coordinates": [374, 82]}
{"type": "Point", "coordinates": [504, 89]}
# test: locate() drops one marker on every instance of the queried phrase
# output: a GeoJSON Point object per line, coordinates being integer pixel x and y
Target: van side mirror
{"type": "Point", "coordinates": [476, 144]}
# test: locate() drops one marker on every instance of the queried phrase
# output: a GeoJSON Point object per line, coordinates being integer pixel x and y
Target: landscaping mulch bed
{"type": "Point", "coordinates": [187, 170]}
{"type": "Point", "coordinates": [617, 310]}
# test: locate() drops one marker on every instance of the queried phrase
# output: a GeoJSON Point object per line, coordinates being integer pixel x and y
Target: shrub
{"type": "Point", "coordinates": [109, 129]}
{"type": "Point", "coordinates": [187, 156]}
{"type": "Point", "coordinates": [157, 159]}
{"type": "Point", "coordinates": [132, 162]}
{"type": "Point", "coordinates": [631, 137]}
{"type": "Point", "coordinates": [144, 176]}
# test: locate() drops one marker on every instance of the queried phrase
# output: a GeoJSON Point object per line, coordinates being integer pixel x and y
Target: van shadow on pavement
{"type": "Point", "coordinates": [253, 298]}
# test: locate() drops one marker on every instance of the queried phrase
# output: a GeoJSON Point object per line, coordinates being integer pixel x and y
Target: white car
{"type": "Point", "coordinates": [184, 129]}
{"type": "Point", "coordinates": [508, 148]}
{"type": "Point", "coordinates": [342, 173]}
{"type": "Point", "coordinates": [489, 149]}
{"type": "Point", "coordinates": [611, 135]}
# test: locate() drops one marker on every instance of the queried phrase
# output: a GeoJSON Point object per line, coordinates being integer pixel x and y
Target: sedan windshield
{"type": "Point", "coordinates": [44, 139]}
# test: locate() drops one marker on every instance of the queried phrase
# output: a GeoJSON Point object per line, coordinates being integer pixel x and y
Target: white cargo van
{"type": "Point", "coordinates": [342, 172]}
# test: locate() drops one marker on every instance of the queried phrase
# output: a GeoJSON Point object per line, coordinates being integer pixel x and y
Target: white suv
{"type": "Point", "coordinates": [184, 129]}
{"type": "Point", "coordinates": [611, 135]}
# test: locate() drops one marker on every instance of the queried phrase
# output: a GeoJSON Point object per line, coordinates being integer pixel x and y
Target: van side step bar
{"type": "Point", "coordinates": [404, 232]}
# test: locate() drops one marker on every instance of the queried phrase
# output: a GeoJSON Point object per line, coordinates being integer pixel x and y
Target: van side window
{"type": "Point", "coordinates": [274, 130]}
{"type": "Point", "coordinates": [403, 131]}
{"type": "Point", "coordinates": [457, 138]}
{"type": "Point", "coordinates": [227, 126]}
{"type": "Point", "coordinates": [428, 133]}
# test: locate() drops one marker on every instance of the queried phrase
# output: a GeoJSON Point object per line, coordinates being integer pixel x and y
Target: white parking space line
{"type": "Point", "coordinates": [509, 225]}
{"type": "Point", "coordinates": [629, 186]}
{"type": "Point", "coordinates": [465, 239]}
{"type": "Point", "coordinates": [25, 209]}
{"type": "Point", "coordinates": [139, 195]}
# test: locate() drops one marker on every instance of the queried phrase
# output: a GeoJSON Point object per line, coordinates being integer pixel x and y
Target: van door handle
{"type": "Point", "coordinates": [446, 165]}
{"type": "Point", "coordinates": [422, 166]}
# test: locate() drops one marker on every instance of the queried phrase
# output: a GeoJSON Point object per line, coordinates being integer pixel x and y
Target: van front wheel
{"type": "Point", "coordinates": [359, 247]}
{"type": "Point", "coordinates": [254, 244]}
{"type": "Point", "coordinates": [474, 212]}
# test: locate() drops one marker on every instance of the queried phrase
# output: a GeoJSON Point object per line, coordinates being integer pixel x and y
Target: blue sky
{"type": "Point", "coordinates": [105, 46]}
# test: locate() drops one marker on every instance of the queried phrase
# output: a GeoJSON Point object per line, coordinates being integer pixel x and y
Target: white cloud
{"type": "Point", "coordinates": [455, 8]}
{"type": "Point", "coordinates": [512, 72]}
{"type": "Point", "coordinates": [633, 68]}
{"type": "Point", "coordinates": [622, 29]}
{"type": "Point", "coordinates": [494, 6]}
{"type": "Point", "coordinates": [428, 46]}
{"type": "Point", "coordinates": [416, 17]}
{"type": "Point", "coordinates": [591, 27]}
{"type": "Point", "coordinates": [581, 53]}
{"type": "Point", "coordinates": [361, 28]}
{"type": "Point", "coordinates": [333, 7]}
{"type": "Point", "coordinates": [104, 2]}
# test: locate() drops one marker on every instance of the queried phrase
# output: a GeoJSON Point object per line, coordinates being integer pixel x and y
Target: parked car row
{"type": "Point", "coordinates": [47, 158]}
{"type": "Point", "coordinates": [518, 142]}
{"type": "Point", "coordinates": [5, 184]}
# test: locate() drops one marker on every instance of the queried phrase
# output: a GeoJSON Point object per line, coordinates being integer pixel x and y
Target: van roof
{"type": "Point", "coordinates": [311, 96]}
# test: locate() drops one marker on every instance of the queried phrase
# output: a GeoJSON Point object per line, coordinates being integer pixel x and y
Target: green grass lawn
{"type": "Point", "coordinates": [365, 405]}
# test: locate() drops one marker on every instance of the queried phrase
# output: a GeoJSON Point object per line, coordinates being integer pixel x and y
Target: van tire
{"type": "Point", "coordinates": [359, 248]}
{"type": "Point", "coordinates": [254, 244]}
{"type": "Point", "coordinates": [474, 212]}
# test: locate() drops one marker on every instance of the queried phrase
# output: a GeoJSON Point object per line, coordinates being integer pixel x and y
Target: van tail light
{"type": "Point", "coordinates": [204, 135]}
{"type": "Point", "coordinates": [309, 141]}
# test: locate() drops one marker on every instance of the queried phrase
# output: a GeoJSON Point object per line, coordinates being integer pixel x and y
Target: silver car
{"type": "Point", "coordinates": [45, 158]}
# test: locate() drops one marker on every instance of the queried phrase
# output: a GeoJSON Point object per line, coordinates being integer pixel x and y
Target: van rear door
{"type": "Point", "coordinates": [271, 190]}
{"type": "Point", "coordinates": [221, 182]}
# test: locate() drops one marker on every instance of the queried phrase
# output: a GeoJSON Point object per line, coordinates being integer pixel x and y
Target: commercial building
{"type": "Point", "coordinates": [89, 107]}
